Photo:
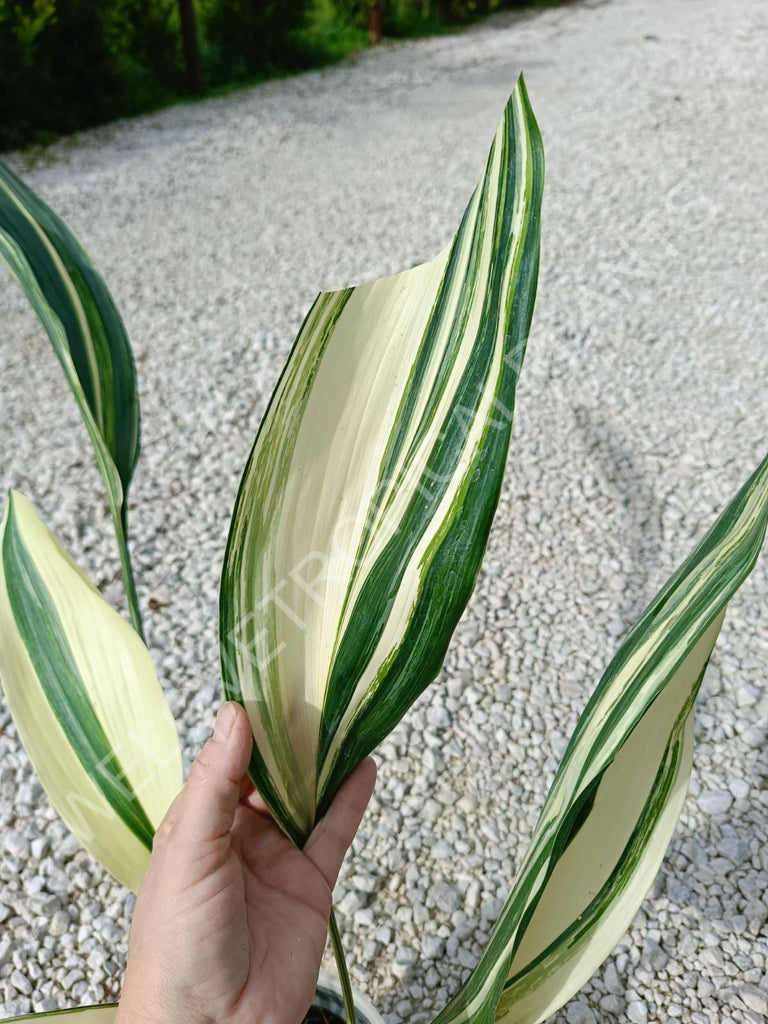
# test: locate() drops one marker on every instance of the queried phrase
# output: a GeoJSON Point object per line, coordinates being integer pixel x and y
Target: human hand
{"type": "Point", "coordinates": [231, 918]}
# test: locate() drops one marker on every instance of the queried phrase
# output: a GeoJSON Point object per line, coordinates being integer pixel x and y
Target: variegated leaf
{"type": "Point", "coordinates": [85, 698]}
{"type": "Point", "coordinates": [88, 336]}
{"type": "Point", "coordinates": [80, 1015]}
{"type": "Point", "coordinates": [365, 507]}
{"type": "Point", "coordinates": [619, 790]}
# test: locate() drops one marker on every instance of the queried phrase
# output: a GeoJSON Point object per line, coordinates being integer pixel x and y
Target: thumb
{"type": "Point", "coordinates": [333, 834]}
{"type": "Point", "coordinates": [212, 792]}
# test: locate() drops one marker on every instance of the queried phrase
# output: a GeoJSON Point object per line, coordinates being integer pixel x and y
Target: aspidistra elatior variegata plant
{"type": "Point", "coordinates": [85, 698]}
{"type": "Point", "coordinates": [619, 790]}
{"type": "Point", "coordinates": [88, 336]}
{"type": "Point", "coordinates": [366, 503]}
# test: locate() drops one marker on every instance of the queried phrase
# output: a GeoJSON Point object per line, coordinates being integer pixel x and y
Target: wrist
{"type": "Point", "coordinates": [146, 1008]}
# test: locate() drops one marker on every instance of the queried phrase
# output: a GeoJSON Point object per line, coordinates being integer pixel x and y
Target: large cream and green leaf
{"type": "Point", "coordinates": [85, 698]}
{"type": "Point", "coordinates": [365, 506]}
{"type": "Point", "coordinates": [618, 792]}
{"type": "Point", "coordinates": [88, 336]}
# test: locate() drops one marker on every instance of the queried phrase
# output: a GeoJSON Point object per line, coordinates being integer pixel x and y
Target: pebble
{"type": "Point", "coordinates": [716, 802]}
{"type": "Point", "coordinates": [637, 1011]}
{"type": "Point", "coordinates": [21, 983]}
{"type": "Point", "coordinates": [445, 897]}
{"type": "Point", "coordinates": [17, 845]}
{"type": "Point", "coordinates": [754, 998]}
{"type": "Point", "coordinates": [579, 1013]}
{"type": "Point", "coordinates": [59, 923]}
{"type": "Point", "coordinates": [739, 788]}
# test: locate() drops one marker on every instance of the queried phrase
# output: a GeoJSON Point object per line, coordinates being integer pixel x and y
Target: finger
{"type": "Point", "coordinates": [333, 834]}
{"type": "Point", "coordinates": [207, 808]}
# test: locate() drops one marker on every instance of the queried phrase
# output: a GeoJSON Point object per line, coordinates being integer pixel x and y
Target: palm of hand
{"type": "Point", "coordinates": [271, 912]}
{"type": "Point", "coordinates": [231, 919]}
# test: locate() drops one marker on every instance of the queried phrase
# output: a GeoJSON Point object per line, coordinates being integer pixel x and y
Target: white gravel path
{"type": "Point", "coordinates": [642, 408]}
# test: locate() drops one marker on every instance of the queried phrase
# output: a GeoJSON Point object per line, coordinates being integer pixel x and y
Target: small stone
{"type": "Point", "coordinates": [756, 912]}
{"type": "Point", "coordinates": [637, 1011]}
{"type": "Point", "coordinates": [754, 736]}
{"type": "Point", "coordinates": [60, 923]}
{"type": "Point", "coordinates": [21, 983]}
{"type": "Point", "coordinates": [433, 762]}
{"type": "Point", "coordinates": [39, 847]}
{"type": "Point", "coordinates": [370, 950]}
{"type": "Point", "coordinates": [15, 1007]}
{"type": "Point", "coordinates": [432, 979]}
{"type": "Point", "coordinates": [7, 783]}
{"type": "Point", "coordinates": [68, 847]}
{"type": "Point", "coordinates": [363, 882]}
{"type": "Point", "coordinates": [44, 903]}
{"type": "Point", "coordinates": [433, 947]}
{"type": "Point", "coordinates": [579, 1013]}
{"type": "Point", "coordinates": [406, 955]}
{"type": "Point", "coordinates": [432, 810]}
{"type": "Point", "coordinates": [655, 954]}
{"type": "Point", "coordinates": [25, 794]}
{"type": "Point", "coordinates": [753, 998]}
{"type": "Point", "coordinates": [45, 1005]}
{"type": "Point", "coordinates": [714, 802]}
{"type": "Point", "coordinates": [71, 978]}
{"type": "Point", "coordinates": [445, 897]}
{"type": "Point", "coordinates": [438, 717]}
{"type": "Point", "coordinates": [465, 958]}
{"type": "Point", "coordinates": [16, 845]}
{"type": "Point", "coordinates": [441, 850]}
{"type": "Point", "coordinates": [612, 1003]}
{"type": "Point", "coordinates": [739, 788]}
{"type": "Point", "coordinates": [611, 979]}
{"type": "Point", "coordinates": [402, 971]}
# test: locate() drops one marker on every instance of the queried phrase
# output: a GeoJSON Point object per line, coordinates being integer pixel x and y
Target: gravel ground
{"type": "Point", "coordinates": [641, 409]}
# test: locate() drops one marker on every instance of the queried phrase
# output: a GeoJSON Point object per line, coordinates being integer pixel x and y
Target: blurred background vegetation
{"type": "Point", "coordinates": [69, 64]}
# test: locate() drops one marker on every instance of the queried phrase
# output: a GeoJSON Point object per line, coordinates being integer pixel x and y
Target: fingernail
{"type": "Point", "coordinates": [225, 719]}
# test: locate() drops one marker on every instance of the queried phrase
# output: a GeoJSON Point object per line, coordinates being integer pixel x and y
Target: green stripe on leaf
{"type": "Point", "coordinates": [88, 337]}
{"type": "Point", "coordinates": [365, 507]}
{"type": "Point", "coordinates": [618, 792]}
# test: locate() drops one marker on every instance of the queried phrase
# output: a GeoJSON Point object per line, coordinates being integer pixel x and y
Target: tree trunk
{"type": "Point", "coordinates": [375, 28]}
{"type": "Point", "coordinates": [443, 8]}
{"type": "Point", "coordinates": [194, 64]}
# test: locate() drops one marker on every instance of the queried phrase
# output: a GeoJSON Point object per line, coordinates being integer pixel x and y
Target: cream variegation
{"type": "Point", "coordinates": [89, 338]}
{"type": "Point", "coordinates": [85, 698]}
{"type": "Point", "coordinates": [618, 792]}
{"type": "Point", "coordinates": [364, 510]}
{"type": "Point", "coordinates": [81, 1015]}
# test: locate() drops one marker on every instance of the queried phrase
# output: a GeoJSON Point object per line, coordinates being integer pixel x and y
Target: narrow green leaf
{"type": "Point", "coordinates": [87, 335]}
{"type": "Point", "coordinates": [365, 507]}
{"type": "Point", "coordinates": [619, 790]}
{"type": "Point", "coordinates": [85, 698]}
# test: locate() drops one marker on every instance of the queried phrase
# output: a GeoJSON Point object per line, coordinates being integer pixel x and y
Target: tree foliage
{"type": "Point", "coordinates": [70, 64]}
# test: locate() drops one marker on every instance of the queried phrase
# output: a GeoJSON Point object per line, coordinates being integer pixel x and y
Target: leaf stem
{"type": "Point", "coordinates": [341, 967]}
{"type": "Point", "coordinates": [120, 521]}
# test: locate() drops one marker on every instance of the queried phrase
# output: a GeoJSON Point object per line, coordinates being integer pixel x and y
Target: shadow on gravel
{"type": "Point", "coordinates": [623, 474]}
